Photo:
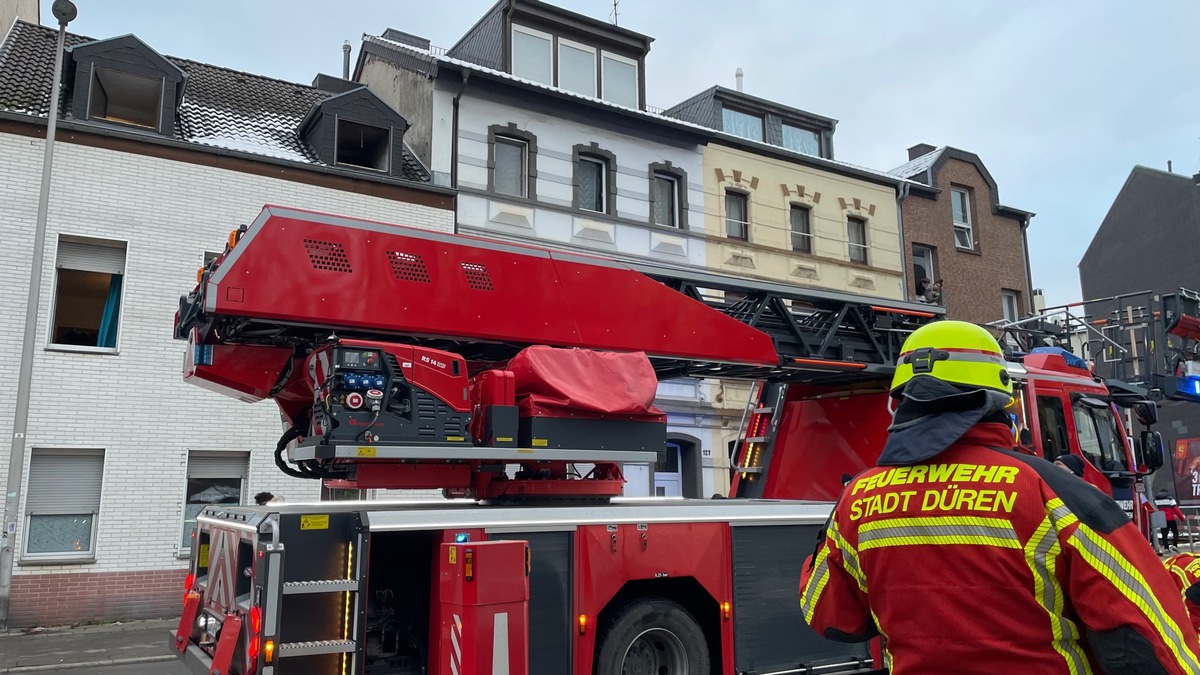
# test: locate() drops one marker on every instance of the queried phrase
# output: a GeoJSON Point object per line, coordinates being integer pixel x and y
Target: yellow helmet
{"type": "Point", "coordinates": [953, 351]}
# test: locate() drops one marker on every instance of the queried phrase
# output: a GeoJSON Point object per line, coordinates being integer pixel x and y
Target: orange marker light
{"type": "Point", "coordinates": [582, 624]}
{"type": "Point", "coordinates": [269, 651]}
{"type": "Point", "coordinates": [726, 609]}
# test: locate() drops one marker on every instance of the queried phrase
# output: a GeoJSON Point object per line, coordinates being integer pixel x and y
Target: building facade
{"type": "Point", "coordinates": [156, 160]}
{"type": "Point", "coordinates": [537, 117]}
{"type": "Point", "coordinates": [957, 231]}
{"type": "Point", "coordinates": [1147, 242]}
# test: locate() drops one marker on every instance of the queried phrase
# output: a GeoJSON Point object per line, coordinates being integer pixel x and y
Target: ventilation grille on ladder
{"type": "Point", "coordinates": [327, 255]}
{"type": "Point", "coordinates": [477, 277]}
{"type": "Point", "coordinates": [408, 267]}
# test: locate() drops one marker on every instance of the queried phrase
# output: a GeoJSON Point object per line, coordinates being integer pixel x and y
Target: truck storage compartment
{"type": "Point", "coordinates": [588, 400]}
{"type": "Point", "coordinates": [399, 582]}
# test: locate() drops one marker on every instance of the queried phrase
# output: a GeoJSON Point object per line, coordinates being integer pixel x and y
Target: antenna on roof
{"type": "Point", "coordinates": [614, 14]}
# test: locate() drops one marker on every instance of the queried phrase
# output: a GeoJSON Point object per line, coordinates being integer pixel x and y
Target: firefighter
{"type": "Point", "coordinates": [966, 556]}
{"type": "Point", "coordinates": [1185, 570]}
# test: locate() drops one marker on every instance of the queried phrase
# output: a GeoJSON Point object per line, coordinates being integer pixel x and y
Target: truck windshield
{"type": "Point", "coordinates": [1099, 438]}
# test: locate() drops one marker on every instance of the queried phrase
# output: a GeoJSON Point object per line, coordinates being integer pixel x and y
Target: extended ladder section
{"type": "Point", "coordinates": [302, 303]}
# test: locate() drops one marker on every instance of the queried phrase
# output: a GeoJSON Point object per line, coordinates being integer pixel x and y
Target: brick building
{"type": "Point", "coordinates": [156, 160]}
{"type": "Point", "coordinates": [955, 229]}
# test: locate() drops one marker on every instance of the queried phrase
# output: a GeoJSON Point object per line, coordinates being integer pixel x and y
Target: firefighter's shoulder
{"type": "Point", "coordinates": [1091, 506]}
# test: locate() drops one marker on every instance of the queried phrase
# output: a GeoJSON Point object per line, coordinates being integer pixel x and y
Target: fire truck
{"type": "Point", "coordinates": [519, 380]}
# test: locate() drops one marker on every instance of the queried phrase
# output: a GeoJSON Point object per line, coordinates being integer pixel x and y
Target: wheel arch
{"type": "Point", "coordinates": [687, 592]}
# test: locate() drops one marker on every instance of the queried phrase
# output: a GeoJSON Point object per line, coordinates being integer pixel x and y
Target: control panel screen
{"type": "Point", "coordinates": [359, 359]}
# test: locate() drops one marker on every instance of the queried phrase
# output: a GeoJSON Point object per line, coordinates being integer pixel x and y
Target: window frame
{"type": "Point", "coordinates": [809, 238]}
{"type": "Point", "coordinates": [865, 246]}
{"type": "Point", "coordinates": [556, 71]}
{"type": "Point", "coordinates": [678, 176]}
{"type": "Point", "coordinates": [512, 52]}
{"type": "Point", "coordinates": [523, 165]}
{"type": "Point", "coordinates": [184, 550]}
{"type": "Point", "coordinates": [62, 557]}
{"type": "Point", "coordinates": [1005, 296]}
{"type": "Point", "coordinates": [1105, 433]}
{"type": "Point", "coordinates": [602, 168]}
{"type": "Point", "coordinates": [745, 196]}
{"type": "Point", "coordinates": [762, 122]}
{"type": "Point", "coordinates": [337, 124]}
{"type": "Point", "coordinates": [608, 172]}
{"type": "Point", "coordinates": [50, 344]}
{"type": "Point", "coordinates": [93, 80]}
{"type": "Point", "coordinates": [509, 133]}
{"type": "Point", "coordinates": [783, 126]}
{"type": "Point", "coordinates": [966, 227]}
{"type": "Point", "coordinates": [637, 75]}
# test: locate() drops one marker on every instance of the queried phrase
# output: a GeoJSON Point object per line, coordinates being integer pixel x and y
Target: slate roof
{"type": "Point", "coordinates": [221, 108]}
{"type": "Point", "coordinates": [918, 166]}
{"type": "Point", "coordinates": [427, 61]}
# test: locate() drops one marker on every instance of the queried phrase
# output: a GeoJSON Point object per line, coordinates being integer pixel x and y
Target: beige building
{"type": "Point", "coordinates": [779, 207]}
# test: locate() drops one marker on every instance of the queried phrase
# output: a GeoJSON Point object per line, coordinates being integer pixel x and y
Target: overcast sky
{"type": "Point", "coordinates": [1060, 98]}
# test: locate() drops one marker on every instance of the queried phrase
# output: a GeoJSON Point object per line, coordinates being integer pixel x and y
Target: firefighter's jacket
{"type": "Point", "coordinates": [1185, 569]}
{"type": "Point", "coordinates": [982, 560]}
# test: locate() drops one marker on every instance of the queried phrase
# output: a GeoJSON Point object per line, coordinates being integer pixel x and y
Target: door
{"type": "Point", "coordinates": [668, 480]}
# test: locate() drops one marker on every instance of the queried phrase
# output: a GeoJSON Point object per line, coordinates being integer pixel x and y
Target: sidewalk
{"type": "Point", "coordinates": [55, 649]}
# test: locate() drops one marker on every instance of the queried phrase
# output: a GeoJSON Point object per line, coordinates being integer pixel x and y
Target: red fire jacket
{"type": "Point", "coordinates": [981, 558]}
{"type": "Point", "coordinates": [1185, 569]}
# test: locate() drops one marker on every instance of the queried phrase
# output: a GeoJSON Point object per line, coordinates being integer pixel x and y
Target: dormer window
{"type": "Point", "coordinates": [126, 98]}
{"type": "Point", "coordinates": [742, 124]}
{"type": "Point", "coordinates": [574, 66]}
{"type": "Point", "coordinates": [363, 145]}
{"type": "Point", "coordinates": [801, 139]}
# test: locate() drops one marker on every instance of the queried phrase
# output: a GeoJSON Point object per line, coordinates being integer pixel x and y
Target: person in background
{"type": "Point", "coordinates": [936, 295]}
{"type": "Point", "coordinates": [1170, 508]}
{"type": "Point", "coordinates": [263, 498]}
{"type": "Point", "coordinates": [1072, 463]}
{"type": "Point", "coordinates": [923, 290]}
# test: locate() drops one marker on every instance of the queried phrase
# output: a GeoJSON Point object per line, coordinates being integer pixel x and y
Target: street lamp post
{"type": "Point", "coordinates": [65, 12]}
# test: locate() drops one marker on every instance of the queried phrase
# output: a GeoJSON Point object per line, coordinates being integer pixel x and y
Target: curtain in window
{"type": "Point", "coordinates": [112, 313]}
{"type": "Point", "coordinates": [801, 140]}
{"type": "Point", "coordinates": [509, 172]}
{"type": "Point", "coordinates": [735, 216]}
{"type": "Point", "coordinates": [741, 124]}
{"type": "Point", "coordinates": [591, 185]}
{"type": "Point", "coordinates": [664, 201]}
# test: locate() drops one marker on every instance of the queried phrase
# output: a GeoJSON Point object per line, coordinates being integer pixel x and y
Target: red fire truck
{"type": "Point", "coordinates": [519, 380]}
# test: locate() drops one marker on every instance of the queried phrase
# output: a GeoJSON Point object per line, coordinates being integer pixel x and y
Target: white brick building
{"type": "Point", "coordinates": [146, 180]}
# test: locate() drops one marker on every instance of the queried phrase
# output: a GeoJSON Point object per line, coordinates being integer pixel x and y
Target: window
{"type": "Point", "coordinates": [802, 140]}
{"type": "Point", "coordinates": [1099, 437]}
{"type": "Point", "coordinates": [801, 230]}
{"type": "Point", "coordinates": [961, 205]}
{"type": "Point", "coordinates": [329, 494]}
{"type": "Point", "coordinates": [857, 229]}
{"type": "Point", "coordinates": [532, 55]}
{"type": "Point", "coordinates": [62, 503]}
{"type": "Point", "coordinates": [737, 216]}
{"type": "Point", "coordinates": [1009, 301]}
{"type": "Point", "coordinates": [620, 80]}
{"type": "Point", "coordinates": [363, 145]}
{"type": "Point", "coordinates": [664, 200]}
{"type": "Point", "coordinates": [212, 478]}
{"type": "Point", "coordinates": [741, 124]}
{"type": "Point", "coordinates": [576, 67]}
{"type": "Point", "coordinates": [591, 184]}
{"type": "Point", "coordinates": [510, 168]}
{"type": "Point", "coordinates": [1053, 423]}
{"type": "Point", "coordinates": [922, 260]}
{"type": "Point", "coordinates": [87, 296]}
{"type": "Point", "coordinates": [125, 98]}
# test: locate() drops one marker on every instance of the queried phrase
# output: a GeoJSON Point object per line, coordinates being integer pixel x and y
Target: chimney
{"type": "Point", "coordinates": [1196, 179]}
{"type": "Point", "coordinates": [1169, 166]}
{"type": "Point", "coordinates": [920, 150]}
{"type": "Point", "coordinates": [346, 60]}
{"type": "Point", "coordinates": [738, 75]}
{"type": "Point", "coordinates": [406, 39]}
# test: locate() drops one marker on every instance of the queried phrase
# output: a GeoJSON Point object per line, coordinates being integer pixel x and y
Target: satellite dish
{"type": "Point", "coordinates": [64, 11]}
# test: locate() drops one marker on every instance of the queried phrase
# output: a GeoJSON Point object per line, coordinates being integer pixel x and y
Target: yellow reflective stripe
{"type": "Point", "coordinates": [1129, 582]}
{"type": "Point", "coordinates": [816, 584]}
{"type": "Point", "coordinates": [938, 530]}
{"type": "Point", "coordinates": [849, 557]}
{"type": "Point", "coordinates": [1182, 577]}
{"type": "Point", "coordinates": [1041, 552]}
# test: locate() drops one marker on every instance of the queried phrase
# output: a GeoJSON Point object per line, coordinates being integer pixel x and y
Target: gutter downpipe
{"type": "Point", "coordinates": [466, 75]}
{"type": "Point", "coordinates": [901, 194]}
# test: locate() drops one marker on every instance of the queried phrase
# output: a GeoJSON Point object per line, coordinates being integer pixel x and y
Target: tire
{"type": "Point", "coordinates": [652, 636]}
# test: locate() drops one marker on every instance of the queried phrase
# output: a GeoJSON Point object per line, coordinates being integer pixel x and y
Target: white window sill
{"type": "Point", "coordinates": [57, 560]}
{"type": "Point", "coordinates": [80, 349]}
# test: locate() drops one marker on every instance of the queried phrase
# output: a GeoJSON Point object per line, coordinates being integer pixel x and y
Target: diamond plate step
{"type": "Point", "coordinates": [322, 586]}
{"type": "Point", "coordinates": [316, 647]}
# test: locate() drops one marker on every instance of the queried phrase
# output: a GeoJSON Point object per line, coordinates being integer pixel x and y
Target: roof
{"type": "Point", "coordinates": [428, 61]}
{"type": "Point", "coordinates": [702, 108]}
{"type": "Point", "coordinates": [923, 171]}
{"type": "Point", "coordinates": [221, 108]}
{"type": "Point", "coordinates": [919, 165]}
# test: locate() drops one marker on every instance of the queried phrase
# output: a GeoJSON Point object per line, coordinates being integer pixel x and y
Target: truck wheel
{"type": "Point", "coordinates": [652, 636]}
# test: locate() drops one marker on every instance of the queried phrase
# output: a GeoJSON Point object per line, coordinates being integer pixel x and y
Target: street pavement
{"type": "Point", "coordinates": [129, 647]}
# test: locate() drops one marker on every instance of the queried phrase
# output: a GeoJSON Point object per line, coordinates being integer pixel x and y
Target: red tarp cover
{"type": "Point", "coordinates": [553, 382]}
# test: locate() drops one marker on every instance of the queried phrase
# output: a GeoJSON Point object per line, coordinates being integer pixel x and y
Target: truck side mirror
{"type": "Point", "coordinates": [1150, 451]}
{"type": "Point", "coordinates": [1146, 412]}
